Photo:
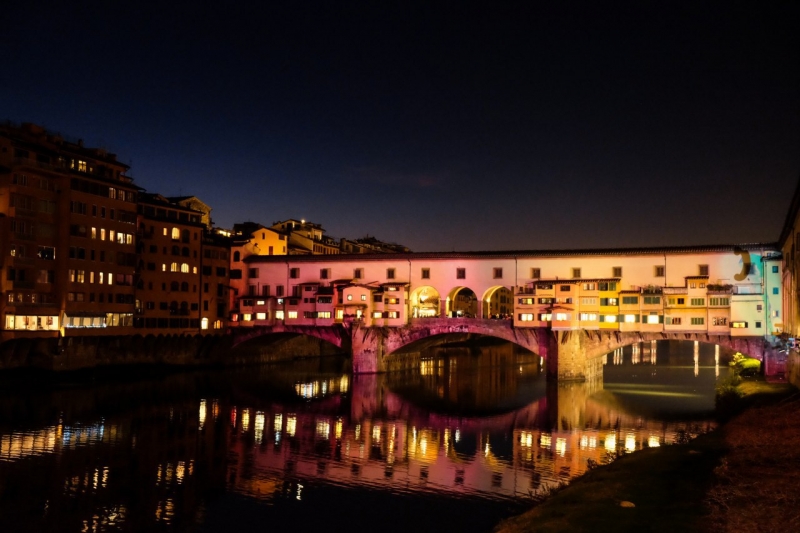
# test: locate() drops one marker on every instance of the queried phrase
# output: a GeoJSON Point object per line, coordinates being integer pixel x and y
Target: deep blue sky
{"type": "Point", "coordinates": [440, 127]}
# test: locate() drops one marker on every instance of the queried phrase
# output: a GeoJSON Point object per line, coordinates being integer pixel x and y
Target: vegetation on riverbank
{"type": "Point", "coordinates": [742, 477]}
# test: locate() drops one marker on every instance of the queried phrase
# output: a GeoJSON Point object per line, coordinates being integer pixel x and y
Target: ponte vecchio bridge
{"type": "Point", "coordinates": [567, 306]}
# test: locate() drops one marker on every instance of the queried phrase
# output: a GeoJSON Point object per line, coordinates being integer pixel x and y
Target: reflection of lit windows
{"type": "Point", "coordinates": [630, 442]}
{"type": "Point", "coordinates": [291, 425]}
{"type": "Point", "coordinates": [653, 441]}
{"type": "Point", "coordinates": [611, 442]}
{"type": "Point", "coordinates": [561, 446]}
{"type": "Point", "coordinates": [545, 441]}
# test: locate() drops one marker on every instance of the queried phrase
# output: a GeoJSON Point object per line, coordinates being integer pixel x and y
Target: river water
{"type": "Point", "coordinates": [471, 437]}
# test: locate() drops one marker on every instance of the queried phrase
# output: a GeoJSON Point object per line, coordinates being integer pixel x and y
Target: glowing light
{"type": "Point", "coordinates": [376, 434]}
{"type": "Point", "coordinates": [653, 441]}
{"type": "Point", "coordinates": [245, 420]}
{"type": "Point", "coordinates": [545, 440]}
{"type": "Point", "coordinates": [611, 442]}
{"type": "Point", "coordinates": [259, 426]}
{"type": "Point", "coordinates": [561, 446]}
{"type": "Point", "coordinates": [278, 423]}
{"type": "Point", "coordinates": [202, 414]}
{"type": "Point", "coordinates": [630, 442]}
{"type": "Point", "coordinates": [291, 425]}
{"type": "Point", "coordinates": [323, 429]}
{"type": "Point", "coordinates": [338, 430]}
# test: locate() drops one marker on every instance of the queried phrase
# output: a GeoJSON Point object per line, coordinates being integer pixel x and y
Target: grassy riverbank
{"type": "Point", "coordinates": [742, 477]}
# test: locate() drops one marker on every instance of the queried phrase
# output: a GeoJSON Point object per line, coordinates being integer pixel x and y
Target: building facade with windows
{"type": "Point", "coordinates": [182, 284]}
{"type": "Point", "coordinates": [68, 236]}
{"type": "Point", "coordinates": [724, 289]}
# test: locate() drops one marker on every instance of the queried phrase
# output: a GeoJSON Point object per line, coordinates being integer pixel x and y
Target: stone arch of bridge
{"type": "Point", "coordinates": [462, 301]}
{"type": "Point", "coordinates": [497, 301]}
{"type": "Point", "coordinates": [335, 335]}
{"type": "Point", "coordinates": [425, 302]}
{"type": "Point", "coordinates": [462, 329]}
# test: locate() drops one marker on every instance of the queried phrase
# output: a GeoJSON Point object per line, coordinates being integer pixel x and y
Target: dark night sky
{"type": "Point", "coordinates": [440, 127]}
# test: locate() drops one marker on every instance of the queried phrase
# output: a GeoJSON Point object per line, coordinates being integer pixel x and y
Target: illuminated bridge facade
{"type": "Point", "coordinates": [568, 306]}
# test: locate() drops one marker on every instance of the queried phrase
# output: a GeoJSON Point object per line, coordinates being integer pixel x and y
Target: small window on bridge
{"type": "Point", "coordinates": [536, 272]}
{"type": "Point", "coordinates": [461, 273]}
{"type": "Point", "coordinates": [617, 272]}
{"type": "Point", "coordinates": [426, 273]}
{"type": "Point", "coordinates": [576, 272]}
{"type": "Point", "coordinates": [498, 273]}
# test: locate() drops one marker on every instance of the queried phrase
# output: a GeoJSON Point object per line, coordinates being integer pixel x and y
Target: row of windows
{"type": "Point", "coordinates": [81, 276]}
{"type": "Point", "coordinates": [79, 230]}
{"type": "Point", "coordinates": [536, 273]}
{"type": "Point", "coordinates": [33, 181]}
{"type": "Point", "coordinates": [100, 297]}
{"type": "Point", "coordinates": [629, 318]}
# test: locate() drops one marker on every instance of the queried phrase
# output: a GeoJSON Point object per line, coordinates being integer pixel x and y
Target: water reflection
{"type": "Point", "coordinates": [479, 432]}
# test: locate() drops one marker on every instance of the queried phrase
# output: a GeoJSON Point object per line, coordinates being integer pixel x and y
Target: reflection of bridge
{"type": "Point", "coordinates": [570, 354]}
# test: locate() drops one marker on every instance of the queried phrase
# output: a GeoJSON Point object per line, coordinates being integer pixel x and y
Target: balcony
{"type": "Point", "coordinates": [675, 290]}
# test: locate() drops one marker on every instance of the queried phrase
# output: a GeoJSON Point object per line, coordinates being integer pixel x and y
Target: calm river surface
{"type": "Point", "coordinates": [470, 438]}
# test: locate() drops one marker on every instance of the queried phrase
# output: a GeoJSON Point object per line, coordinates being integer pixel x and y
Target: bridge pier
{"type": "Point", "coordinates": [566, 355]}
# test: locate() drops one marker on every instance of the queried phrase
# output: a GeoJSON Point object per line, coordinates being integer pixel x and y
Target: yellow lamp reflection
{"type": "Point", "coordinates": [245, 420]}
{"type": "Point", "coordinates": [259, 426]}
{"type": "Point", "coordinates": [545, 440]}
{"type": "Point", "coordinates": [611, 442]}
{"type": "Point", "coordinates": [653, 441]}
{"type": "Point", "coordinates": [278, 424]}
{"type": "Point", "coordinates": [323, 429]}
{"type": "Point", "coordinates": [291, 425]}
{"type": "Point", "coordinates": [561, 446]}
{"type": "Point", "coordinates": [630, 442]}
{"type": "Point", "coordinates": [202, 414]}
{"type": "Point", "coordinates": [376, 434]}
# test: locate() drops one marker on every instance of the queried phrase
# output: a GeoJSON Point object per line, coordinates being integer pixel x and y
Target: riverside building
{"type": "Point", "coordinates": [67, 240]}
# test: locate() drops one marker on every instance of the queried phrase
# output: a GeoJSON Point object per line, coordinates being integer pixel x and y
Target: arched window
{"type": "Point", "coordinates": [176, 250]}
{"type": "Point", "coordinates": [185, 235]}
{"type": "Point", "coordinates": [194, 270]}
{"type": "Point", "coordinates": [236, 256]}
{"type": "Point", "coordinates": [184, 287]}
{"type": "Point", "coordinates": [185, 268]}
{"type": "Point", "coordinates": [204, 323]}
{"type": "Point", "coordinates": [176, 234]}
{"type": "Point", "coordinates": [173, 267]}
{"type": "Point", "coordinates": [174, 286]}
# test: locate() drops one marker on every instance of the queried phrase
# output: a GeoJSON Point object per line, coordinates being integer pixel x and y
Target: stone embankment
{"type": "Point", "coordinates": [78, 353]}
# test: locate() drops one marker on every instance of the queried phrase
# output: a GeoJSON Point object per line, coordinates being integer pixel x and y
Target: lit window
{"type": "Point", "coordinates": [562, 316]}
{"type": "Point", "coordinates": [526, 317]}
{"type": "Point", "coordinates": [609, 318]}
{"type": "Point", "coordinates": [363, 297]}
{"type": "Point", "coordinates": [652, 319]}
{"type": "Point", "coordinates": [349, 297]}
{"type": "Point", "coordinates": [185, 268]}
{"type": "Point", "coordinates": [631, 318]}
{"type": "Point", "coordinates": [377, 314]}
{"type": "Point", "coordinates": [292, 314]}
{"type": "Point", "coordinates": [173, 267]}
{"type": "Point", "coordinates": [261, 316]}
{"type": "Point", "coordinates": [279, 315]}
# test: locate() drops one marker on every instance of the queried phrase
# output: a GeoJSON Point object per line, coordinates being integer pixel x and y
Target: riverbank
{"type": "Point", "coordinates": [741, 477]}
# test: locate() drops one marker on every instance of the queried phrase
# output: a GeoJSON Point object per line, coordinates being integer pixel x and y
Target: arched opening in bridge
{"type": "Point", "coordinates": [285, 346]}
{"type": "Point", "coordinates": [462, 302]}
{"type": "Point", "coordinates": [498, 302]}
{"type": "Point", "coordinates": [425, 302]}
